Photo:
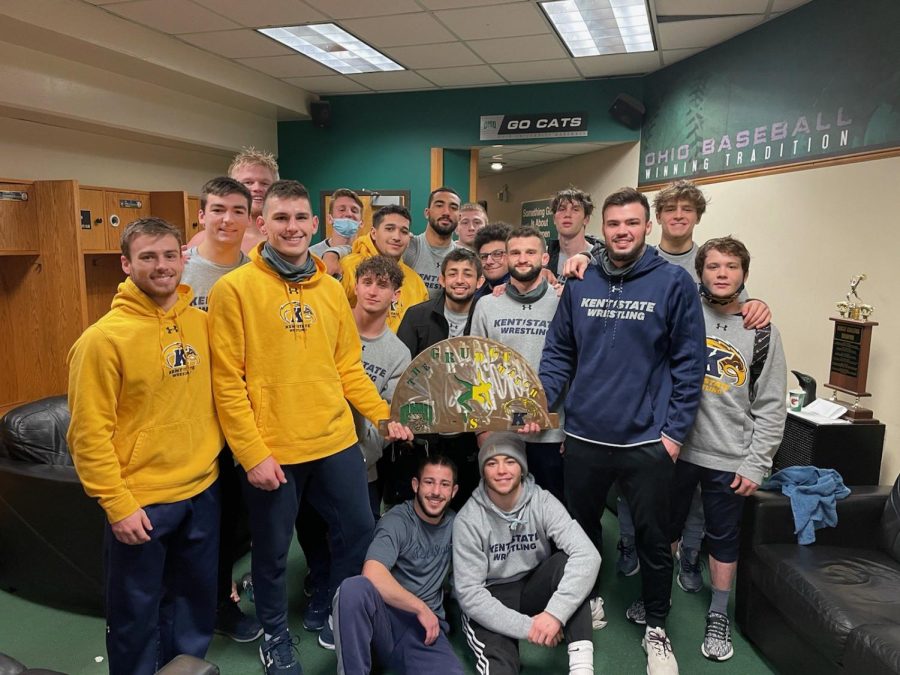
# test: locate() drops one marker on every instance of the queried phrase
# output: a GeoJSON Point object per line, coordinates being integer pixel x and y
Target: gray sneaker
{"type": "Point", "coordinates": [717, 641]}
{"type": "Point", "coordinates": [660, 657]}
{"type": "Point", "coordinates": [628, 563]}
{"type": "Point", "coordinates": [636, 614]}
{"type": "Point", "coordinates": [690, 577]}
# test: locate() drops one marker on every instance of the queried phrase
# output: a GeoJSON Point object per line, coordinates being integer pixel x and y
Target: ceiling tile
{"type": "Point", "coordinates": [261, 13]}
{"type": "Point", "coordinates": [514, 49]}
{"type": "Point", "coordinates": [462, 77]}
{"type": "Point", "coordinates": [618, 64]}
{"type": "Point", "coordinates": [172, 16]}
{"type": "Point", "coordinates": [536, 71]}
{"type": "Point", "coordinates": [393, 81]}
{"type": "Point", "coordinates": [786, 5]}
{"type": "Point", "coordinates": [709, 7]}
{"type": "Point", "coordinates": [328, 84]}
{"type": "Point", "coordinates": [670, 56]}
{"type": "Point", "coordinates": [454, 4]}
{"type": "Point", "coordinates": [495, 21]}
{"type": "Point", "coordinates": [444, 55]}
{"type": "Point", "coordinates": [703, 32]}
{"type": "Point", "coordinates": [287, 66]}
{"type": "Point", "coordinates": [236, 44]}
{"type": "Point", "coordinates": [352, 9]}
{"type": "Point", "coordinates": [399, 30]}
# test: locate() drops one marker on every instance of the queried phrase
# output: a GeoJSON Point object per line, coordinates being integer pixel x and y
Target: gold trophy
{"type": "Point", "coordinates": [850, 352]}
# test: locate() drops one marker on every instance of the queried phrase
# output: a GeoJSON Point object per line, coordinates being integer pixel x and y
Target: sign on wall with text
{"type": "Point", "coordinates": [819, 83]}
{"type": "Point", "coordinates": [540, 125]}
{"type": "Point", "coordinates": [537, 213]}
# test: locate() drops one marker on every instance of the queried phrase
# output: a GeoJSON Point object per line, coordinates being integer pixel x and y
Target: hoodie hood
{"type": "Point", "coordinates": [131, 299]}
{"type": "Point", "coordinates": [365, 246]}
{"type": "Point", "coordinates": [513, 520]}
{"type": "Point", "coordinates": [257, 259]}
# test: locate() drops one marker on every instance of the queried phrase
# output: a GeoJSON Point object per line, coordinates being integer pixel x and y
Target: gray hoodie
{"type": "Point", "coordinates": [491, 547]}
{"type": "Point", "coordinates": [731, 433]}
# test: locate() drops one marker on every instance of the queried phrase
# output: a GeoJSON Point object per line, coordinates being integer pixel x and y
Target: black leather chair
{"type": "Point", "coordinates": [51, 532]}
{"type": "Point", "coordinates": [830, 607]}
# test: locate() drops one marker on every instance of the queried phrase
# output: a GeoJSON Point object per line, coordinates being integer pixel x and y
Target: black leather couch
{"type": "Point", "coordinates": [830, 607]}
{"type": "Point", "coordinates": [51, 532]}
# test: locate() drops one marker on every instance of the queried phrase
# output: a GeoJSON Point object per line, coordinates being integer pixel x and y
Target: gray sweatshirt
{"type": "Point", "coordinates": [200, 274]}
{"type": "Point", "coordinates": [384, 360]}
{"type": "Point", "coordinates": [686, 261]}
{"type": "Point", "coordinates": [522, 327]}
{"type": "Point", "coordinates": [494, 547]}
{"type": "Point", "coordinates": [731, 433]}
{"type": "Point", "coordinates": [426, 261]}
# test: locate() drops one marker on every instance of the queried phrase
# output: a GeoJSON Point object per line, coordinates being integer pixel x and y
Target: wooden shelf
{"type": "Point", "coordinates": [22, 252]}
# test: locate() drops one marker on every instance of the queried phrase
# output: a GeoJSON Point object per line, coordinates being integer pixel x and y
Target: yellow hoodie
{"type": "Point", "coordinates": [286, 359]}
{"type": "Point", "coordinates": [412, 292]}
{"type": "Point", "coordinates": [144, 428]}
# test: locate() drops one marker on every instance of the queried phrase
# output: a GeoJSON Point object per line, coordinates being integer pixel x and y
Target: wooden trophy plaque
{"type": "Point", "coordinates": [469, 383]}
{"type": "Point", "coordinates": [850, 364]}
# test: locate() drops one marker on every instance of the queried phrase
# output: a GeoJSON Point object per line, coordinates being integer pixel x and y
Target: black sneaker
{"type": "Point", "coordinates": [245, 587]}
{"type": "Point", "coordinates": [233, 623]}
{"type": "Point", "coordinates": [279, 655]}
{"type": "Point", "coordinates": [717, 641]}
{"type": "Point", "coordinates": [628, 563]}
{"type": "Point", "coordinates": [326, 635]}
{"type": "Point", "coordinates": [315, 616]}
{"type": "Point", "coordinates": [690, 576]}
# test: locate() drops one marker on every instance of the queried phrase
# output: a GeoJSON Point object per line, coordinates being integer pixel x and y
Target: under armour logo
{"type": "Point", "coordinates": [293, 289]}
{"type": "Point", "coordinates": [528, 307]}
{"type": "Point", "coordinates": [721, 326]}
{"type": "Point", "coordinates": [615, 289]}
{"type": "Point", "coordinates": [171, 329]}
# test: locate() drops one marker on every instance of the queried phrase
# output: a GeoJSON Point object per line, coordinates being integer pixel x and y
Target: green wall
{"type": "Point", "coordinates": [384, 141]}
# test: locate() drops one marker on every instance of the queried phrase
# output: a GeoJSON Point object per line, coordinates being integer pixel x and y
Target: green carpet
{"type": "Point", "coordinates": [74, 644]}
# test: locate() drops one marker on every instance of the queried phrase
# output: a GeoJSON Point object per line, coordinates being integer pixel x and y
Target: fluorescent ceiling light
{"type": "Point", "coordinates": [595, 27]}
{"type": "Point", "coordinates": [497, 166]}
{"type": "Point", "coordinates": [332, 46]}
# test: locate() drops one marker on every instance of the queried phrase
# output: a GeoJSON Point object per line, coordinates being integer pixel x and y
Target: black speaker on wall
{"type": "Point", "coordinates": [320, 111]}
{"type": "Point", "coordinates": [627, 110]}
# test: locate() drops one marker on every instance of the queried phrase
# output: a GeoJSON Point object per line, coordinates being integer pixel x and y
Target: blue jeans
{"type": "Point", "coordinates": [336, 488]}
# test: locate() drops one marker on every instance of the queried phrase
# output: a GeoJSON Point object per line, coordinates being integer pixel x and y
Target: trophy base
{"type": "Point", "coordinates": [859, 415]}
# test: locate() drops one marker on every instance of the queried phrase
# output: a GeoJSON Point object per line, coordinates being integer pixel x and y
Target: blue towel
{"type": "Point", "coordinates": [813, 493]}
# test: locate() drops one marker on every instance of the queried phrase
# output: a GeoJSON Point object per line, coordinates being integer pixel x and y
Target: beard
{"type": "Point", "coordinates": [526, 276]}
{"type": "Point", "coordinates": [441, 228]}
{"type": "Point", "coordinates": [426, 507]}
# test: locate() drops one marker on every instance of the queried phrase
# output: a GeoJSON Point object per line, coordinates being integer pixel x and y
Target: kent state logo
{"type": "Point", "coordinates": [297, 316]}
{"type": "Point", "coordinates": [180, 359]}
{"type": "Point", "coordinates": [725, 366]}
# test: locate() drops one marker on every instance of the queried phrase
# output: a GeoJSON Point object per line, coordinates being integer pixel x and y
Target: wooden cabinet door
{"type": "Point", "coordinates": [193, 224]}
{"type": "Point", "coordinates": [93, 225]}
{"type": "Point", "coordinates": [121, 209]}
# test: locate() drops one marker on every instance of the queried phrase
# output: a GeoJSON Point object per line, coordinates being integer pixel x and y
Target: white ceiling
{"type": "Point", "coordinates": [442, 43]}
{"type": "Point", "coordinates": [516, 157]}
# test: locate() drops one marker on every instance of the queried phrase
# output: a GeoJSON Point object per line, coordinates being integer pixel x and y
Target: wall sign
{"type": "Point", "coordinates": [541, 125]}
{"type": "Point", "coordinates": [785, 93]}
{"type": "Point", "coordinates": [537, 213]}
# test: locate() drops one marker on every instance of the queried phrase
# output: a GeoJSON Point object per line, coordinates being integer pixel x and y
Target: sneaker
{"type": "Point", "coordinates": [326, 635]}
{"type": "Point", "coordinates": [233, 623]}
{"type": "Point", "coordinates": [308, 588]}
{"type": "Point", "coordinates": [717, 641]}
{"type": "Point", "coordinates": [245, 587]}
{"type": "Point", "coordinates": [689, 579]}
{"type": "Point", "coordinates": [598, 616]}
{"type": "Point", "coordinates": [278, 655]}
{"type": "Point", "coordinates": [636, 614]}
{"type": "Point", "coordinates": [315, 616]}
{"type": "Point", "coordinates": [628, 563]}
{"type": "Point", "coordinates": [660, 657]}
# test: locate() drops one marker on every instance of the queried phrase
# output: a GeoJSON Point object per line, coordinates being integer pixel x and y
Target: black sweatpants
{"type": "Point", "coordinates": [499, 654]}
{"type": "Point", "coordinates": [644, 474]}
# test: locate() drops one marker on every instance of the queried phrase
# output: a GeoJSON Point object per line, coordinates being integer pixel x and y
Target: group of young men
{"type": "Point", "coordinates": [257, 385]}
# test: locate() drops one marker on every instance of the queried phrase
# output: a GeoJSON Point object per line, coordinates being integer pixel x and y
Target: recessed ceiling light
{"type": "Point", "coordinates": [332, 46]}
{"type": "Point", "coordinates": [595, 27]}
{"type": "Point", "coordinates": [497, 166]}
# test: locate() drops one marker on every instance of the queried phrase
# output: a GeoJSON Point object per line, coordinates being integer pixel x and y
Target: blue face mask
{"type": "Point", "coordinates": [345, 227]}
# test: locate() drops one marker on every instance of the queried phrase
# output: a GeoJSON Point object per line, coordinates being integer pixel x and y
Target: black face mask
{"type": "Point", "coordinates": [711, 299]}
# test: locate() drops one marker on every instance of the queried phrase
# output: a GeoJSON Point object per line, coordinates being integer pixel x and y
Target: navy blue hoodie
{"type": "Point", "coordinates": [632, 351]}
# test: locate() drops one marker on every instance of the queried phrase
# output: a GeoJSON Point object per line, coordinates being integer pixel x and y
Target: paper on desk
{"type": "Point", "coordinates": [821, 411]}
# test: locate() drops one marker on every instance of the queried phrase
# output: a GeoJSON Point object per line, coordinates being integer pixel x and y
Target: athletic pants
{"type": "Point", "coordinates": [336, 486]}
{"type": "Point", "coordinates": [161, 595]}
{"type": "Point", "coordinates": [691, 535]}
{"type": "Point", "coordinates": [497, 654]}
{"type": "Point", "coordinates": [644, 474]}
{"type": "Point", "coordinates": [362, 621]}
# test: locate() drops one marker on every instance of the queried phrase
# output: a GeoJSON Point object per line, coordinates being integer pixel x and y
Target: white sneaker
{"type": "Point", "coordinates": [660, 657]}
{"type": "Point", "coordinates": [598, 616]}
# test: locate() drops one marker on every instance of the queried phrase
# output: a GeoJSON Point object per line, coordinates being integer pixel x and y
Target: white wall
{"type": "Point", "coordinates": [808, 232]}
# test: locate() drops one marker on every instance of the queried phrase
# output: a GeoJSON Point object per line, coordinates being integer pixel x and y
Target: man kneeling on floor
{"type": "Point", "coordinates": [397, 604]}
{"type": "Point", "coordinates": [509, 584]}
